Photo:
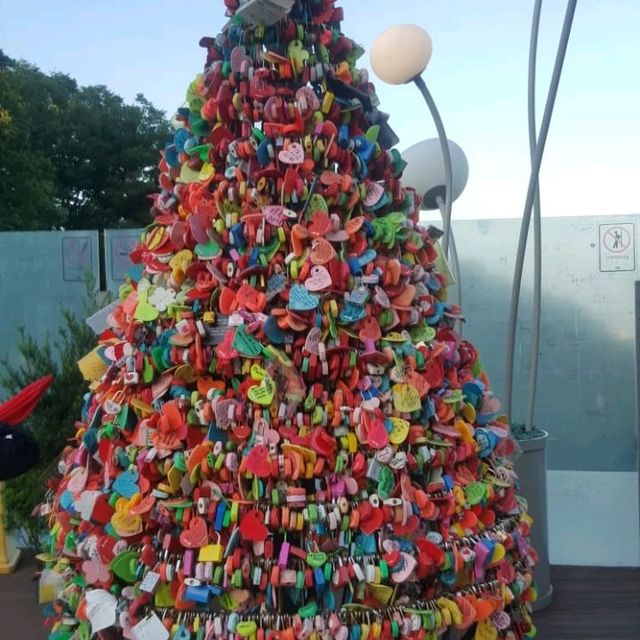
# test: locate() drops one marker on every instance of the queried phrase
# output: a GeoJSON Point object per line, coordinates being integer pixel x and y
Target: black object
{"type": "Point", "coordinates": [18, 452]}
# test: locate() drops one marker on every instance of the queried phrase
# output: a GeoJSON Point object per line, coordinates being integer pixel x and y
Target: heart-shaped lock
{"type": "Point", "coordinates": [252, 526]}
{"type": "Point", "coordinates": [124, 566]}
{"type": "Point", "coordinates": [196, 535]}
{"type": "Point", "coordinates": [259, 461]}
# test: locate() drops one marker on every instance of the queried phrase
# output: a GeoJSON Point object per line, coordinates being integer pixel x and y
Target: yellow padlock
{"type": "Point", "coordinates": [211, 552]}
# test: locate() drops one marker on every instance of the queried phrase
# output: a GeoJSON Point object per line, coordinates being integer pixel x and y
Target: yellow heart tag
{"type": "Point", "coordinates": [406, 398]}
{"type": "Point", "coordinates": [485, 631]}
{"type": "Point", "coordinates": [123, 522]}
{"type": "Point", "coordinates": [399, 430]}
{"type": "Point", "coordinates": [263, 393]}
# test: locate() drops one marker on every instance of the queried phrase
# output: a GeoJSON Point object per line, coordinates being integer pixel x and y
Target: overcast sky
{"type": "Point", "coordinates": [477, 74]}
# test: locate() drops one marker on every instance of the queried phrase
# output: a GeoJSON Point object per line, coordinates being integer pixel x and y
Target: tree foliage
{"type": "Point", "coordinates": [53, 419]}
{"type": "Point", "coordinates": [70, 156]}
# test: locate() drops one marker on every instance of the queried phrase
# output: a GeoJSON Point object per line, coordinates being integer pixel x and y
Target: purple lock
{"type": "Point", "coordinates": [189, 559]}
{"type": "Point", "coordinates": [284, 555]}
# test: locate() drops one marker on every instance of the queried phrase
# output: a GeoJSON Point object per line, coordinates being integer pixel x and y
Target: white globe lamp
{"type": "Point", "coordinates": [400, 53]}
{"type": "Point", "coordinates": [425, 171]}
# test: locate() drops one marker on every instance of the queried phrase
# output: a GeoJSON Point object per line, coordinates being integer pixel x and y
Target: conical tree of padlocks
{"type": "Point", "coordinates": [284, 434]}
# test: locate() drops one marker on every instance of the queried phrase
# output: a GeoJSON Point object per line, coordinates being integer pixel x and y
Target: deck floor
{"type": "Point", "coordinates": [589, 604]}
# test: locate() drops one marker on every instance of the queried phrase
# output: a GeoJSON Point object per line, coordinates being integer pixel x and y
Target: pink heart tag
{"type": "Point", "coordinates": [318, 279]}
{"type": "Point", "coordinates": [374, 193]}
{"type": "Point", "coordinates": [293, 154]}
{"type": "Point", "coordinates": [313, 340]}
{"type": "Point", "coordinates": [95, 571]}
{"type": "Point", "coordinates": [377, 435]}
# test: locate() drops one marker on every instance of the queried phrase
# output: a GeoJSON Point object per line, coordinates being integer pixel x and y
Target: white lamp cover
{"type": "Point", "coordinates": [425, 170]}
{"type": "Point", "coordinates": [400, 53]}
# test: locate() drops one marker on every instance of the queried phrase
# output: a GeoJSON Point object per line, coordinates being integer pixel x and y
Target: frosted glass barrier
{"type": "Point", "coordinates": [39, 273]}
{"type": "Point", "coordinates": [118, 243]}
{"type": "Point", "coordinates": [586, 383]}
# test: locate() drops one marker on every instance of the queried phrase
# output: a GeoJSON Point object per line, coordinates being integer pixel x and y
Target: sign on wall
{"type": "Point", "coordinates": [618, 247]}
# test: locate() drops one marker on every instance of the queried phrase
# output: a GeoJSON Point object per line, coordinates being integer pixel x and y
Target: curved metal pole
{"type": "Point", "coordinates": [446, 155]}
{"type": "Point", "coordinates": [526, 215]}
{"type": "Point", "coordinates": [455, 265]}
{"type": "Point", "coordinates": [537, 223]}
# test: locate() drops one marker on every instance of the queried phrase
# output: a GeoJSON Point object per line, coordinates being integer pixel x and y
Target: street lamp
{"type": "Point", "coordinates": [400, 55]}
{"type": "Point", "coordinates": [426, 173]}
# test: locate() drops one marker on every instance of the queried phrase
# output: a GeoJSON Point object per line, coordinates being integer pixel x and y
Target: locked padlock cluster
{"type": "Point", "coordinates": [287, 438]}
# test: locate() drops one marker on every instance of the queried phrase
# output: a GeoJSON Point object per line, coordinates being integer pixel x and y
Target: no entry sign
{"type": "Point", "coordinates": [618, 247]}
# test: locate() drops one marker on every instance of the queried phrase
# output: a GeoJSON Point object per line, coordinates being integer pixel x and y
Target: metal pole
{"type": "Point", "coordinates": [446, 155]}
{"type": "Point", "coordinates": [526, 215]}
{"type": "Point", "coordinates": [455, 265]}
{"type": "Point", "coordinates": [537, 223]}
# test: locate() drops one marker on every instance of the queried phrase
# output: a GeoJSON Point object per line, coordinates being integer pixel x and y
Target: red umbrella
{"type": "Point", "coordinates": [18, 408]}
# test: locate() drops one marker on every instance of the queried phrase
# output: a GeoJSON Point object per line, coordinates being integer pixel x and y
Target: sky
{"type": "Point", "coordinates": [477, 75]}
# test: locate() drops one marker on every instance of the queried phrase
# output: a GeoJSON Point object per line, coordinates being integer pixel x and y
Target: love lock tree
{"type": "Point", "coordinates": [285, 436]}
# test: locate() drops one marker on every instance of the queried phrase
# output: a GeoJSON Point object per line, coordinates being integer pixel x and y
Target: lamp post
{"type": "Point", "coordinates": [426, 173]}
{"type": "Point", "coordinates": [399, 55]}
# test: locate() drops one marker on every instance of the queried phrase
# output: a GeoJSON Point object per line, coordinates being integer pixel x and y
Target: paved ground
{"type": "Point", "coordinates": [589, 604]}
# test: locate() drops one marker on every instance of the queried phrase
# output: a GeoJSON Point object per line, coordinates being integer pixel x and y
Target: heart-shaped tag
{"type": "Point", "coordinates": [377, 435]}
{"type": "Point", "coordinates": [245, 343]}
{"type": "Point", "coordinates": [276, 215]}
{"type": "Point", "coordinates": [375, 192]}
{"type": "Point", "coordinates": [125, 523]}
{"type": "Point", "coordinates": [307, 100]}
{"type": "Point", "coordinates": [293, 154]}
{"type": "Point", "coordinates": [259, 461]}
{"type": "Point", "coordinates": [126, 483]}
{"type": "Point", "coordinates": [399, 430]}
{"type": "Point", "coordinates": [312, 342]}
{"type": "Point", "coordinates": [77, 480]}
{"type": "Point", "coordinates": [95, 571]}
{"type": "Point", "coordinates": [369, 330]}
{"type": "Point", "coordinates": [319, 279]}
{"type": "Point", "coordinates": [145, 312]}
{"type": "Point", "coordinates": [240, 61]}
{"type": "Point", "coordinates": [196, 535]}
{"type": "Point", "coordinates": [85, 504]}
{"type": "Point", "coordinates": [124, 566]}
{"type": "Point", "coordinates": [102, 510]}
{"type": "Point", "coordinates": [322, 251]}
{"type": "Point", "coordinates": [301, 300]}
{"type": "Point", "coordinates": [320, 224]}
{"type": "Point", "coordinates": [264, 393]}
{"type": "Point", "coordinates": [252, 526]}
{"type": "Point", "coordinates": [406, 398]}
{"type": "Point", "coordinates": [373, 522]}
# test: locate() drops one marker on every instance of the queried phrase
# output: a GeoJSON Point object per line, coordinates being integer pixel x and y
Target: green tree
{"type": "Point", "coordinates": [52, 421]}
{"type": "Point", "coordinates": [77, 157]}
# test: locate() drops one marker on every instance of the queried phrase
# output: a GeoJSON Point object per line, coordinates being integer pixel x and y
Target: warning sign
{"type": "Point", "coordinates": [618, 247]}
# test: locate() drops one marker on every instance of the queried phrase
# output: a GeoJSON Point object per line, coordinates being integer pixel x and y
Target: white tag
{"type": "Point", "coordinates": [150, 582]}
{"type": "Point", "coordinates": [101, 609]}
{"type": "Point", "coordinates": [150, 628]}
